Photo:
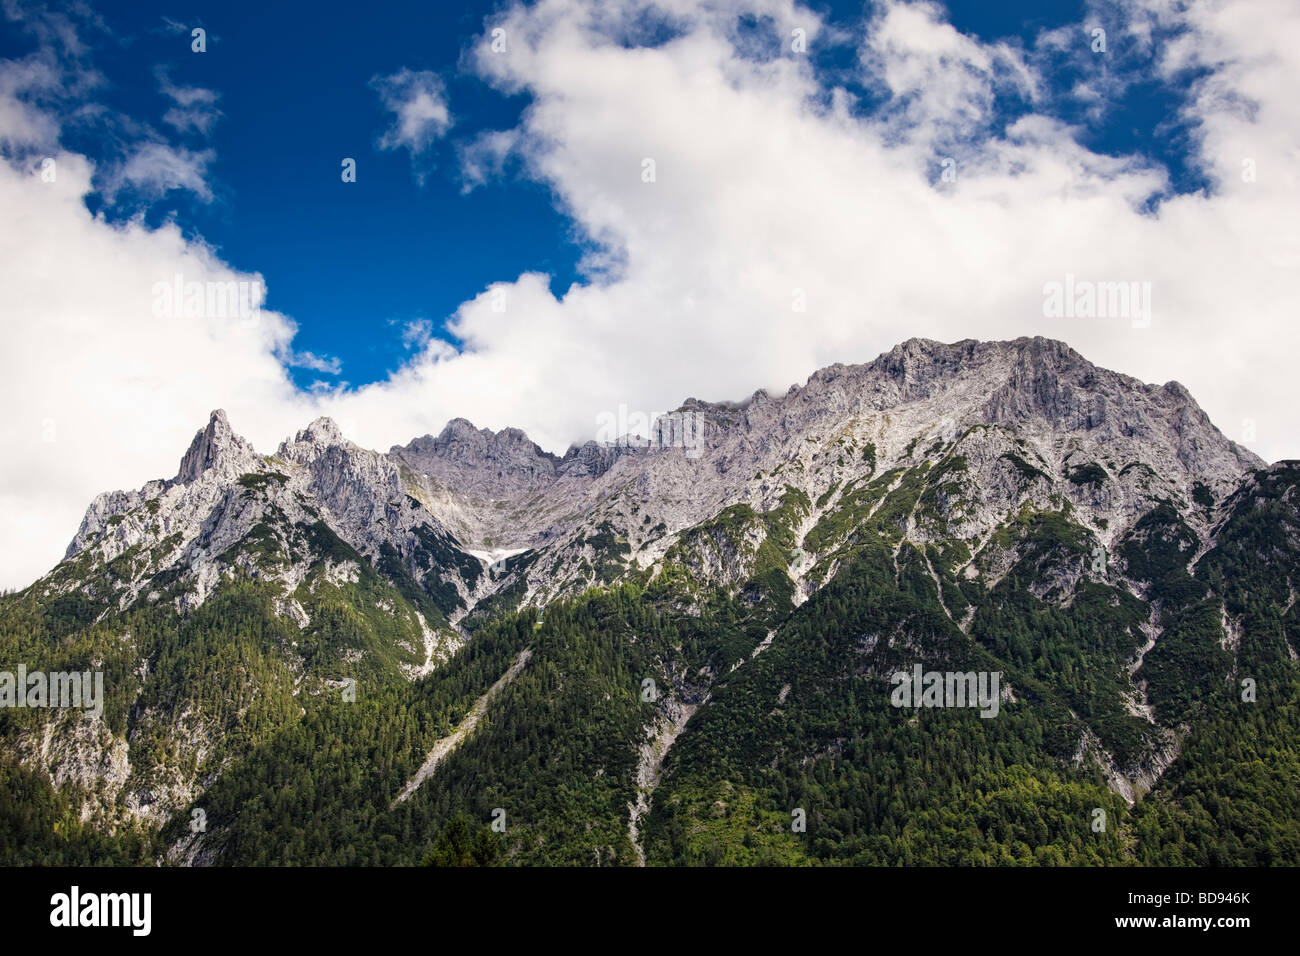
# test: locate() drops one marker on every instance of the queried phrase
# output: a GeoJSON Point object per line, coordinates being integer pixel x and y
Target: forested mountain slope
{"type": "Point", "coordinates": [693, 638]}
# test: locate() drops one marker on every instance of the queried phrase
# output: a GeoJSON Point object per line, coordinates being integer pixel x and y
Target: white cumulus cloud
{"type": "Point", "coordinates": [418, 100]}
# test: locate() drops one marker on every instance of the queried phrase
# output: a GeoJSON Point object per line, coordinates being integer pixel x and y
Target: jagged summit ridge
{"type": "Point", "coordinates": [484, 492]}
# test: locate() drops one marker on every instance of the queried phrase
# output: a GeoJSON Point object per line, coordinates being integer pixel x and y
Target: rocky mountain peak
{"type": "Point", "coordinates": [457, 432]}
{"type": "Point", "coordinates": [323, 431]}
{"type": "Point", "coordinates": [507, 454]}
{"type": "Point", "coordinates": [216, 446]}
{"type": "Point", "coordinates": [460, 440]}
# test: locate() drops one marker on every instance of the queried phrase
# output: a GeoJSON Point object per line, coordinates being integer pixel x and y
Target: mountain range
{"type": "Point", "coordinates": [679, 648]}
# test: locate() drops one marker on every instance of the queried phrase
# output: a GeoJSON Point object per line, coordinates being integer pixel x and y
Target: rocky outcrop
{"type": "Point", "coordinates": [219, 450]}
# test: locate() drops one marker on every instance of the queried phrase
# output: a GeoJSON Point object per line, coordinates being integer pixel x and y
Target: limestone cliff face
{"type": "Point", "coordinates": [1030, 420]}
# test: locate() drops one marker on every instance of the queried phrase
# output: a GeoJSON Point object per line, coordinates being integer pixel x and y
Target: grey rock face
{"type": "Point", "coordinates": [1024, 416]}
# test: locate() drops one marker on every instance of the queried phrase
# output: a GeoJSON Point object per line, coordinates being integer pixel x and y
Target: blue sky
{"type": "Point", "coordinates": [354, 264]}
{"type": "Point", "coordinates": [295, 99]}
{"type": "Point", "coordinates": [631, 203]}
